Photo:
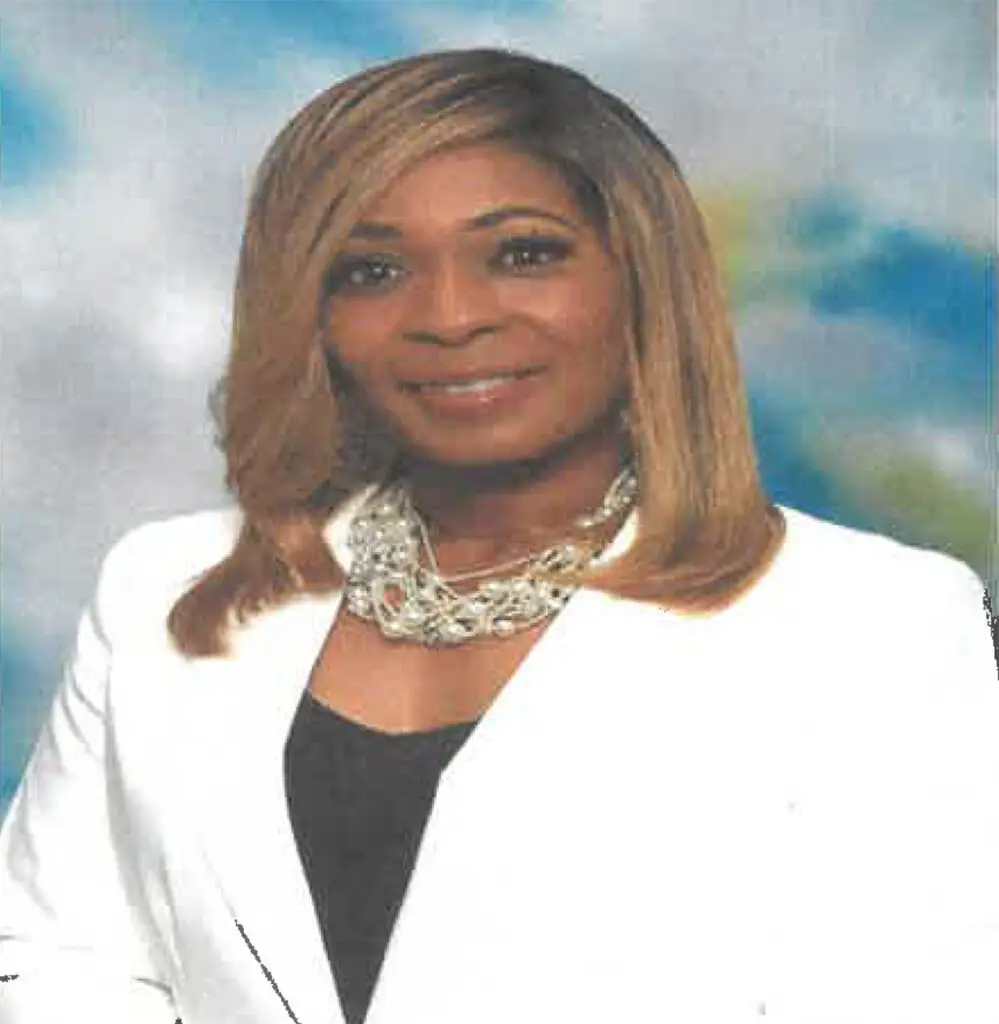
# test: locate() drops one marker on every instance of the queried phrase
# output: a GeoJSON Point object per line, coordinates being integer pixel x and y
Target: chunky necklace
{"type": "Point", "coordinates": [385, 539]}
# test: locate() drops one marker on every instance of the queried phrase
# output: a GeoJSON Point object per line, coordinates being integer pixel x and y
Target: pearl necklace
{"type": "Point", "coordinates": [385, 539]}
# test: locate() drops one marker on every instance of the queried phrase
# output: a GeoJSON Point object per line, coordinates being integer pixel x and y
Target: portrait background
{"type": "Point", "coordinates": [843, 150]}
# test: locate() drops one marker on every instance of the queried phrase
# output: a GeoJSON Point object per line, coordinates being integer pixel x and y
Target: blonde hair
{"type": "Point", "coordinates": [297, 443]}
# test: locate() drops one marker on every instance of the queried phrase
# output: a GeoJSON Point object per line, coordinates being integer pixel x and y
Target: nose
{"type": "Point", "coordinates": [451, 303]}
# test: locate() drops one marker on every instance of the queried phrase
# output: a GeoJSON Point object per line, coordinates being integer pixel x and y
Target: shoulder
{"type": "Point", "coordinates": [845, 570]}
{"type": "Point", "coordinates": [180, 545]}
{"type": "Point", "coordinates": [151, 565]}
{"type": "Point", "coordinates": [845, 552]}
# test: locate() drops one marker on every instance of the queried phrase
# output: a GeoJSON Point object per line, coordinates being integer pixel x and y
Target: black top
{"type": "Point", "coordinates": [359, 800]}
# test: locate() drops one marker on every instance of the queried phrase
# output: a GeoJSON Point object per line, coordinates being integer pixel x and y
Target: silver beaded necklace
{"type": "Point", "coordinates": [385, 538]}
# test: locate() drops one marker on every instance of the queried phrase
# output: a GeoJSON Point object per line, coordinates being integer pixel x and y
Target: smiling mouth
{"type": "Point", "coordinates": [470, 400]}
{"type": "Point", "coordinates": [470, 386]}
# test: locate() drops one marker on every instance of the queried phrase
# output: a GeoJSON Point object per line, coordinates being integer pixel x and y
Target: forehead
{"type": "Point", "coordinates": [462, 182]}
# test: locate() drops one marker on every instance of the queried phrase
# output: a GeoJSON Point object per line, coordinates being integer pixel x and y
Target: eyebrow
{"type": "Point", "coordinates": [375, 231]}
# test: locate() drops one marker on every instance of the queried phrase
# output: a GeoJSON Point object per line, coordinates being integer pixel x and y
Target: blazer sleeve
{"type": "Point", "coordinates": [72, 947]}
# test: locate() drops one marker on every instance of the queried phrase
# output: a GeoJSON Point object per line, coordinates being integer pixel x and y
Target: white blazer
{"type": "Point", "coordinates": [786, 812]}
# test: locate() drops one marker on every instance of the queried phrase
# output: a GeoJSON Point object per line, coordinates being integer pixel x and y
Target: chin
{"type": "Point", "coordinates": [473, 452]}
{"type": "Point", "coordinates": [469, 457]}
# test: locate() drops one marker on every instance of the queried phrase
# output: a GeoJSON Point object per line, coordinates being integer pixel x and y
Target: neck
{"type": "Point", "coordinates": [495, 509]}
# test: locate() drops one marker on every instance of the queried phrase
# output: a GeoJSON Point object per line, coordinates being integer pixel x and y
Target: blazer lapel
{"type": "Point", "coordinates": [237, 713]}
{"type": "Point", "coordinates": [238, 717]}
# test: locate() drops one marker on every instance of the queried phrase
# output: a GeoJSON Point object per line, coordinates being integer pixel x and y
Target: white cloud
{"type": "Point", "coordinates": [961, 454]}
{"type": "Point", "coordinates": [865, 92]}
{"type": "Point", "coordinates": [115, 322]}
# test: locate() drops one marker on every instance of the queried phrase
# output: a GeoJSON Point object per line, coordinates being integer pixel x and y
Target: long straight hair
{"type": "Point", "coordinates": [298, 443]}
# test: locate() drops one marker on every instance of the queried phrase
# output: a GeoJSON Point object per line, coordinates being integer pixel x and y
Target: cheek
{"type": "Point", "coordinates": [356, 334]}
{"type": "Point", "coordinates": [597, 339]}
{"type": "Point", "coordinates": [591, 326]}
{"type": "Point", "coordinates": [359, 344]}
{"type": "Point", "coordinates": [573, 310]}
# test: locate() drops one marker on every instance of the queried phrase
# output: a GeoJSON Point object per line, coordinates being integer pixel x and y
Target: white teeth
{"type": "Point", "coordinates": [472, 386]}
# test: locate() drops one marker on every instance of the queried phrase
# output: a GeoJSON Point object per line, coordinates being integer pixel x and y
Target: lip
{"type": "Point", "coordinates": [503, 397]}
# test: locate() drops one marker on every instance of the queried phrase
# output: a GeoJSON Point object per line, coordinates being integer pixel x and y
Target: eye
{"type": "Point", "coordinates": [532, 251]}
{"type": "Point", "coordinates": [361, 273]}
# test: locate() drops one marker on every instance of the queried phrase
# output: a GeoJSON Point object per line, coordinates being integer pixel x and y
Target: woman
{"type": "Point", "coordinates": [507, 695]}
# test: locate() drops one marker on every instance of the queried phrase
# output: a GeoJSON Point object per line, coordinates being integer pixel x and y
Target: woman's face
{"type": "Point", "coordinates": [479, 260]}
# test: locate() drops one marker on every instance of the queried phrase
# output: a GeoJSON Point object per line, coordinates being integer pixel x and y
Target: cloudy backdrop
{"type": "Point", "coordinates": [844, 151]}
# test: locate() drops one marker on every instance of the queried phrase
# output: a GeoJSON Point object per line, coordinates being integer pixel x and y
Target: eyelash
{"type": "Point", "coordinates": [544, 250]}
